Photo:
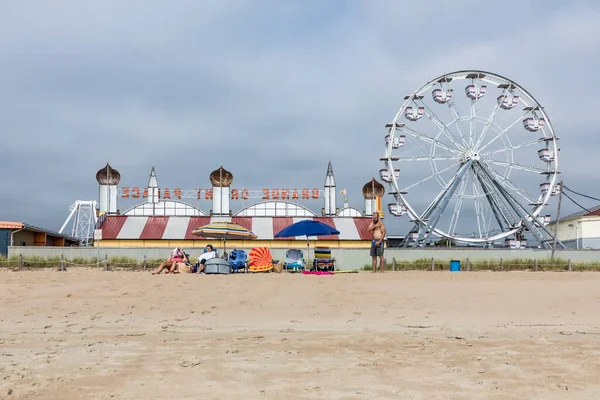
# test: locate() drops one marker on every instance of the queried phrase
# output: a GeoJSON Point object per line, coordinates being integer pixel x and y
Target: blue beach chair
{"type": "Point", "coordinates": [238, 259]}
{"type": "Point", "coordinates": [294, 260]}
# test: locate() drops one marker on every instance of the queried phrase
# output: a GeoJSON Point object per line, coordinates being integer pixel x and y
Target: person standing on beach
{"type": "Point", "coordinates": [376, 226]}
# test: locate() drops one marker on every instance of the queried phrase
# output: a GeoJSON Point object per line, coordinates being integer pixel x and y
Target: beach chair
{"type": "Point", "coordinates": [294, 261]}
{"type": "Point", "coordinates": [261, 260]}
{"type": "Point", "coordinates": [238, 260]}
{"type": "Point", "coordinates": [323, 260]}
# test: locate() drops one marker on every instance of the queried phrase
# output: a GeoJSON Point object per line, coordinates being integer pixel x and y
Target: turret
{"type": "Point", "coordinates": [108, 178]}
{"type": "Point", "coordinates": [221, 180]}
{"type": "Point", "coordinates": [373, 191]}
{"type": "Point", "coordinates": [330, 208]}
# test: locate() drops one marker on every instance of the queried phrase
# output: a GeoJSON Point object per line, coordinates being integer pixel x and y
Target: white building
{"type": "Point", "coordinates": [580, 230]}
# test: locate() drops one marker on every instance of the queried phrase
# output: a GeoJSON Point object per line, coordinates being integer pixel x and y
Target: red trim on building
{"type": "Point", "coordinates": [112, 226]}
{"type": "Point", "coordinates": [327, 221]}
{"type": "Point", "coordinates": [246, 222]}
{"type": "Point", "coordinates": [280, 223]}
{"type": "Point", "coordinates": [196, 222]}
{"type": "Point", "coordinates": [361, 226]}
{"type": "Point", "coordinates": [154, 228]}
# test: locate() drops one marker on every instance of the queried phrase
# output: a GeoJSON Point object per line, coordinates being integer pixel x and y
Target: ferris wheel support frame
{"type": "Point", "coordinates": [535, 229]}
{"type": "Point", "coordinates": [436, 208]}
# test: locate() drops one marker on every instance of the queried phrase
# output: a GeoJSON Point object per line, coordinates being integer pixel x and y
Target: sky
{"type": "Point", "coordinates": [272, 90]}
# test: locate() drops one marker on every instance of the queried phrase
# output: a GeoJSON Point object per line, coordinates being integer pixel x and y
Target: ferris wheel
{"type": "Point", "coordinates": [471, 156]}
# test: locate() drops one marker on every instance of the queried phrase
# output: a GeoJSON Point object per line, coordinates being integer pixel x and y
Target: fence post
{"type": "Point", "coordinates": [432, 264]}
{"type": "Point", "coordinates": [20, 261]}
{"type": "Point", "coordinates": [501, 264]}
{"type": "Point", "coordinates": [570, 266]}
{"type": "Point", "coordinates": [106, 262]}
{"type": "Point", "coordinates": [62, 263]}
{"type": "Point", "coordinates": [468, 264]}
{"type": "Point", "coordinates": [536, 264]}
{"type": "Point", "coordinates": [144, 263]}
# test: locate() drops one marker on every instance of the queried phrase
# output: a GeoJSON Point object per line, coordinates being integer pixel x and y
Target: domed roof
{"type": "Point", "coordinates": [373, 189]}
{"type": "Point", "coordinates": [221, 177]}
{"type": "Point", "coordinates": [108, 176]}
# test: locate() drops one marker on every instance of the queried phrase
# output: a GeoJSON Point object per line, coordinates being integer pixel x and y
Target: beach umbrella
{"type": "Point", "coordinates": [307, 228]}
{"type": "Point", "coordinates": [224, 231]}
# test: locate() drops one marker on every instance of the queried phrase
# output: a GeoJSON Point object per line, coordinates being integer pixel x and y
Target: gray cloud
{"type": "Point", "coordinates": [272, 91]}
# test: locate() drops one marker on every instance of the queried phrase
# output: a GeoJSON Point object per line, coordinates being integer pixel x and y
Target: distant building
{"type": "Point", "coordinates": [21, 234]}
{"type": "Point", "coordinates": [580, 230]}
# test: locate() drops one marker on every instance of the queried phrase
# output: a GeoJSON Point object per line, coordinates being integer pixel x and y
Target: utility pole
{"type": "Point", "coordinates": [557, 220]}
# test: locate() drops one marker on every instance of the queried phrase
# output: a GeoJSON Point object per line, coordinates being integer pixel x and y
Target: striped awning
{"type": "Point", "coordinates": [180, 228]}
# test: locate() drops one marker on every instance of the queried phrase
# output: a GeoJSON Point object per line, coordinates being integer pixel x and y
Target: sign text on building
{"type": "Point", "coordinates": [235, 194]}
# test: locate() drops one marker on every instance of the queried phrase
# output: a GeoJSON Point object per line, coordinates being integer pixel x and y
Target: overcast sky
{"type": "Point", "coordinates": [273, 90]}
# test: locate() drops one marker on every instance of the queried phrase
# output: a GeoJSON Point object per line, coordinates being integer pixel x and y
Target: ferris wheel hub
{"type": "Point", "coordinates": [471, 155]}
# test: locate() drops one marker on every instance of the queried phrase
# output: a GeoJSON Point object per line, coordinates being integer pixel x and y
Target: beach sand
{"type": "Point", "coordinates": [86, 334]}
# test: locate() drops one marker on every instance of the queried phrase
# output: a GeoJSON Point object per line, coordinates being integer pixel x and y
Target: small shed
{"type": "Point", "coordinates": [22, 234]}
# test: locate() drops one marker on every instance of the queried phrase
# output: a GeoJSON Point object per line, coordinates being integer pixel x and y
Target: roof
{"type": "Point", "coordinates": [33, 228]}
{"type": "Point", "coordinates": [178, 228]}
{"type": "Point", "coordinates": [591, 212]}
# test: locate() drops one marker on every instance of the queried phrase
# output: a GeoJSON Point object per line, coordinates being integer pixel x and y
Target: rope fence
{"type": "Point", "coordinates": [429, 264]}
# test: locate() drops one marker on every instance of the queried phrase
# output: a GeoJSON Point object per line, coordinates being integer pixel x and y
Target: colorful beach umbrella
{"type": "Point", "coordinates": [224, 231]}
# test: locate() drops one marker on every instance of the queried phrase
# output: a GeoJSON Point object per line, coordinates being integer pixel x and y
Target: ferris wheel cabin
{"type": "Point", "coordinates": [397, 141]}
{"type": "Point", "coordinates": [385, 175]}
{"type": "Point", "coordinates": [397, 210]}
{"type": "Point", "coordinates": [442, 96]}
{"type": "Point", "coordinates": [414, 114]}
{"type": "Point", "coordinates": [534, 124]}
{"type": "Point", "coordinates": [475, 93]}
{"type": "Point", "coordinates": [507, 102]}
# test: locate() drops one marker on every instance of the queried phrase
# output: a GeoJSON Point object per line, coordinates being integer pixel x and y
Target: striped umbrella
{"type": "Point", "coordinates": [224, 231]}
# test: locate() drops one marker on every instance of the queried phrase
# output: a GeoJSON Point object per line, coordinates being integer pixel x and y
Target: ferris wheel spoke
{"type": "Point", "coordinates": [433, 175]}
{"type": "Point", "coordinates": [424, 158]}
{"type": "Point", "coordinates": [522, 167]}
{"type": "Point", "coordinates": [457, 207]}
{"type": "Point", "coordinates": [488, 122]}
{"type": "Point", "coordinates": [512, 147]}
{"type": "Point", "coordinates": [441, 126]}
{"type": "Point", "coordinates": [503, 131]}
{"type": "Point", "coordinates": [458, 122]}
{"type": "Point", "coordinates": [428, 139]}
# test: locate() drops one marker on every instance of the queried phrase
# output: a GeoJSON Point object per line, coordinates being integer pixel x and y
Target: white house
{"type": "Point", "coordinates": [580, 230]}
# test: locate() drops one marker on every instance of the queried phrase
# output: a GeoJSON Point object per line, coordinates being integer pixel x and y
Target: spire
{"type": "Point", "coordinates": [152, 182]}
{"type": "Point", "coordinates": [329, 178]}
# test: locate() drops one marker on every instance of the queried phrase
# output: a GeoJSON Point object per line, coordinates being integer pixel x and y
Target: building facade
{"type": "Point", "coordinates": [579, 230]}
{"type": "Point", "coordinates": [162, 219]}
{"type": "Point", "coordinates": [21, 234]}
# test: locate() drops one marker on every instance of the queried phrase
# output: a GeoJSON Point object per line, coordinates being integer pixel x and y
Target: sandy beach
{"type": "Point", "coordinates": [86, 334]}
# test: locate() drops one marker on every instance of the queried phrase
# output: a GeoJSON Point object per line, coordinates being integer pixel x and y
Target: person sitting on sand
{"type": "Point", "coordinates": [207, 255]}
{"type": "Point", "coordinates": [177, 256]}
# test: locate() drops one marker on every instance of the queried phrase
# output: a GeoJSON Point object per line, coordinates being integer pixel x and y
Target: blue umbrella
{"type": "Point", "coordinates": [307, 228]}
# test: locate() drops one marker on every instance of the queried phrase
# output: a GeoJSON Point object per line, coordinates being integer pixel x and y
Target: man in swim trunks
{"type": "Point", "coordinates": [177, 256]}
{"type": "Point", "coordinates": [376, 226]}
